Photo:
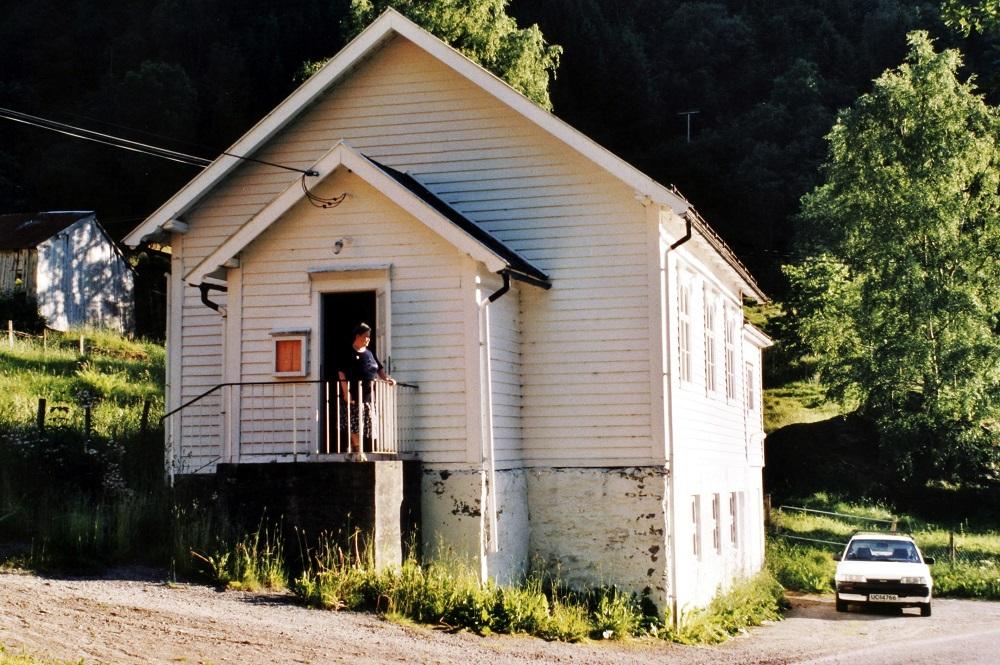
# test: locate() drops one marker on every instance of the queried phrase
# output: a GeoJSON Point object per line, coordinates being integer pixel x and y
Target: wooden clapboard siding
{"type": "Point", "coordinates": [559, 210]}
{"type": "Point", "coordinates": [505, 352]}
{"type": "Point", "coordinates": [17, 269]}
{"type": "Point", "coordinates": [712, 428]}
{"type": "Point", "coordinates": [427, 312]}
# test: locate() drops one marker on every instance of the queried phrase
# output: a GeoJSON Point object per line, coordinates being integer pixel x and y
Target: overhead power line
{"type": "Point", "coordinates": [127, 144]}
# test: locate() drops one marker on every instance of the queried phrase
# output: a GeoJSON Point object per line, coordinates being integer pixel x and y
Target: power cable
{"type": "Point", "coordinates": [134, 146]}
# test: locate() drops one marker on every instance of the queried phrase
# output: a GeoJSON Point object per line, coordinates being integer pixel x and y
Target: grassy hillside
{"type": "Point", "coordinates": [80, 487]}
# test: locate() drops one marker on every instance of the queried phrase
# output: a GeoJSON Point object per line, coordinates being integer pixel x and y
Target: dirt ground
{"type": "Point", "coordinates": [131, 617]}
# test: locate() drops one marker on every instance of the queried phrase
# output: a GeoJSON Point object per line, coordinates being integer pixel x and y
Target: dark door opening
{"type": "Point", "coordinates": [341, 313]}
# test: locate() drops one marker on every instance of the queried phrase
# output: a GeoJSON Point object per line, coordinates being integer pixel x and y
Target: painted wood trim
{"type": "Point", "coordinates": [471, 292]}
{"type": "Point", "coordinates": [343, 155]}
{"type": "Point", "coordinates": [657, 336]}
{"type": "Point", "coordinates": [232, 369]}
{"type": "Point", "coordinates": [175, 332]}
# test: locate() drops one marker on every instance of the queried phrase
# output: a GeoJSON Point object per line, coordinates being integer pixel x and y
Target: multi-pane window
{"type": "Point", "coordinates": [734, 536]}
{"type": "Point", "coordinates": [684, 330]}
{"type": "Point", "coordinates": [696, 525]}
{"type": "Point", "coordinates": [709, 343]}
{"type": "Point", "coordinates": [716, 523]}
{"type": "Point", "coordinates": [751, 388]}
{"type": "Point", "coordinates": [730, 343]}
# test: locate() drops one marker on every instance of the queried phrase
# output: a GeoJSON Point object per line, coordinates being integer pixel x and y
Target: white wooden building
{"type": "Point", "coordinates": [603, 414]}
{"type": "Point", "coordinates": [69, 263]}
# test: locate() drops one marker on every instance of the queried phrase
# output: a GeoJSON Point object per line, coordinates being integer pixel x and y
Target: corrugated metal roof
{"type": "Point", "coordinates": [27, 230]}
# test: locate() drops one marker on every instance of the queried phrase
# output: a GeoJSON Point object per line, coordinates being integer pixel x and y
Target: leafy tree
{"type": "Point", "coordinates": [971, 15]}
{"type": "Point", "coordinates": [480, 29]}
{"type": "Point", "coordinates": [900, 293]}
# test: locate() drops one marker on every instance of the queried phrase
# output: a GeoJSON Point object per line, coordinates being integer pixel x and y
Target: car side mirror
{"type": "Point", "coordinates": [929, 560]}
{"type": "Point", "coordinates": [836, 557]}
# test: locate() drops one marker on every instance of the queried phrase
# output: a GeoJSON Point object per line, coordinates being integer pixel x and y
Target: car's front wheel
{"type": "Point", "coordinates": [925, 609]}
{"type": "Point", "coordinates": [841, 605]}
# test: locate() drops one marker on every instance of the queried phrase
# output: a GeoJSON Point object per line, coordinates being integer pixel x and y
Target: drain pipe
{"type": "Point", "coordinates": [486, 390]}
{"type": "Point", "coordinates": [205, 287]}
{"type": "Point", "coordinates": [667, 285]}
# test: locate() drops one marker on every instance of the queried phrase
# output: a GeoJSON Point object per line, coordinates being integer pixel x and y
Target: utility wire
{"type": "Point", "coordinates": [134, 146]}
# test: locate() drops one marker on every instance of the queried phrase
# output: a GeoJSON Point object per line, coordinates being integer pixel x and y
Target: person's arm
{"type": "Point", "coordinates": [385, 377]}
{"type": "Point", "coordinates": [345, 394]}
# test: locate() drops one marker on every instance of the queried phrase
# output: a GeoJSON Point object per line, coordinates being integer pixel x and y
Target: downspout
{"type": "Point", "coordinates": [674, 609]}
{"type": "Point", "coordinates": [486, 390]}
{"type": "Point", "coordinates": [205, 287]}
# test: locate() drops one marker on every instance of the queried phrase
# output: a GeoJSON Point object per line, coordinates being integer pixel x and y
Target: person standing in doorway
{"type": "Point", "coordinates": [357, 375]}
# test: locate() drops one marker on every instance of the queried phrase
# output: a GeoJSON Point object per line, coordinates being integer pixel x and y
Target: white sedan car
{"type": "Point", "coordinates": [883, 569]}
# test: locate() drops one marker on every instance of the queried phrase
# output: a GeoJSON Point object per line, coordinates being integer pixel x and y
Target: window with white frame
{"type": "Point", "coordinates": [730, 351]}
{"type": "Point", "coordinates": [710, 364]}
{"type": "Point", "coordinates": [290, 352]}
{"type": "Point", "coordinates": [734, 535]}
{"type": "Point", "coordinates": [716, 523]}
{"type": "Point", "coordinates": [751, 388]}
{"type": "Point", "coordinates": [684, 329]}
{"type": "Point", "coordinates": [696, 525]}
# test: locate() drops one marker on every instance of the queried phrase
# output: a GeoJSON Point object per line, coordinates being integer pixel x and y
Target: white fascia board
{"type": "Point", "coordinates": [566, 133]}
{"type": "Point", "coordinates": [381, 29]}
{"type": "Point", "coordinates": [343, 155]}
{"type": "Point", "coordinates": [269, 125]}
{"type": "Point", "coordinates": [756, 336]}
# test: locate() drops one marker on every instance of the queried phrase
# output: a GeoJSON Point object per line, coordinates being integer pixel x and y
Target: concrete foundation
{"type": "Point", "coordinates": [595, 527]}
{"type": "Point", "coordinates": [380, 499]}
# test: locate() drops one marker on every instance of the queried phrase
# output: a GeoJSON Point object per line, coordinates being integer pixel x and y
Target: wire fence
{"type": "Point", "coordinates": [949, 546]}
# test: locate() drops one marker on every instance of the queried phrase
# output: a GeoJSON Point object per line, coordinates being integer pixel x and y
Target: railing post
{"type": "Point", "coordinates": [41, 414]}
{"type": "Point", "coordinates": [295, 423]}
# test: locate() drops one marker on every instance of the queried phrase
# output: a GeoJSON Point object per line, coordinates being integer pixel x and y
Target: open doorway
{"type": "Point", "coordinates": [341, 312]}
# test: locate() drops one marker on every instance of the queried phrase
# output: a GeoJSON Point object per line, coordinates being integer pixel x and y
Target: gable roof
{"type": "Point", "coordinates": [28, 230]}
{"type": "Point", "coordinates": [401, 189]}
{"type": "Point", "coordinates": [389, 24]}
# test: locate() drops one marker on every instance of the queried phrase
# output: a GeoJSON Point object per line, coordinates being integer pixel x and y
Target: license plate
{"type": "Point", "coordinates": [882, 597]}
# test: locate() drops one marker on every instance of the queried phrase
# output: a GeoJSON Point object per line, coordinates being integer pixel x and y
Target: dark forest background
{"type": "Point", "coordinates": [766, 80]}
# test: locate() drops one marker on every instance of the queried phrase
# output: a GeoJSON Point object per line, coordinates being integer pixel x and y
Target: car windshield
{"type": "Point", "coordinates": [882, 550]}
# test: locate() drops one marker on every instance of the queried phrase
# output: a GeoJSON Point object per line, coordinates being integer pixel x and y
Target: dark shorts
{"type": "Point", "coordinates": [367, 408]}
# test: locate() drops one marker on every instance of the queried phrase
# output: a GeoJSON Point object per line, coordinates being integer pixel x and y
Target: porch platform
{"type": "Point", "coordinates": [381, 499]}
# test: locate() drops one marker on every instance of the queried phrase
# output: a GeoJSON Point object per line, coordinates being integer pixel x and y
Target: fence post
{"type": "Point", "coordinates": [81, 344]}
{"type": "Point", "coordinates": [40, 418]}
{"type": "Point", "coordinates": [951, 547]}
{"type": "Point", "coordinates": [45, 340]}
{"type": "Point", "coordinates": [144, 421]}
{"type": "Point", "coordinates": [767, 510]}
{"type": "Point", "coordinates": [87, 420]}
{"type": "Point", "coordinates": [10, 334]}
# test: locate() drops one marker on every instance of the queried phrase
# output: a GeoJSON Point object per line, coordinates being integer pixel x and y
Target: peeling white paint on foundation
{"type": "Point", "coordinates": [510, 563]}
{"type": "Point", "coordinates": [601, 526]}
{"type": "Point", "coordinates": [452, 514]}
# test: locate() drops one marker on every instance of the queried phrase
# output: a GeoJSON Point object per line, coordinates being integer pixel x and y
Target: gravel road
{"type": "Point", "coordinates": [135, 619]}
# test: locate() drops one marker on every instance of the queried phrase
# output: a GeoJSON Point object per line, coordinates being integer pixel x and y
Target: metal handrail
{"type": "Point", "coordinates": [259, 383]}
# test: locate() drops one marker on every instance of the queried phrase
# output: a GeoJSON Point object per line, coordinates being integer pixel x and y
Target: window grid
{"type": "Point", "coordinates": [710, 343]}
{"type": "Point", "coordinates": [696, 525]}
{"type": "Point", "coordinates": [684, 330]}
{"type": "Point", "coordinates": [730, 342]}
{"type": "Point", "coordinates": [716, 524]}
{"type": "Point", "coordinates": [734, 538]}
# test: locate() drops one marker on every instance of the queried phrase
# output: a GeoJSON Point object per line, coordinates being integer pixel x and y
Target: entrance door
{"type": "Point", "coordinates": [342, 312]}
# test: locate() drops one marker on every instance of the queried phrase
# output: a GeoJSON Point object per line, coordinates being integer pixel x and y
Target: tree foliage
{"type": "Point", "coordinates": [971, 15]}
{"type": "Point", "coordinates": [899, 295]}
{"type": "Point", "coordinates": [484, 32]}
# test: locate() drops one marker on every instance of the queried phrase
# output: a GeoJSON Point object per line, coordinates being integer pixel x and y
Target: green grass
{"type": "Point", "coordinates": [798, 401]}
{"type": "Point", "coordinates": [76, 498]}
{"type": "Point", "coordinates": [255, 562]}
{"type": "Point", "coordinates": [969, 570]}
{"type": "Point", "coordinates": [446, 592]}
